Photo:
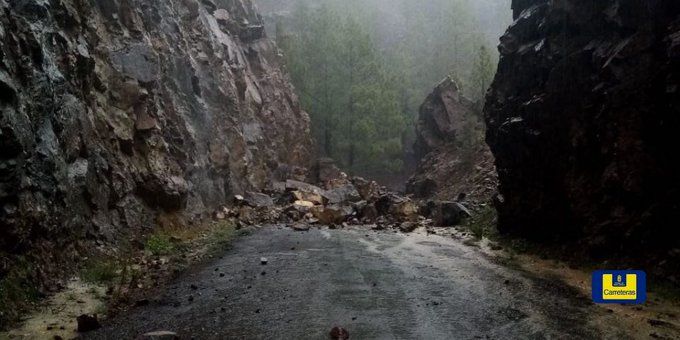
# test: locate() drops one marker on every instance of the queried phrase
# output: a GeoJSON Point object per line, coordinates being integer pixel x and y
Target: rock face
{"type": "Point", "coordinates": [453, 157]}
{"type": "Point", "coordinates": [116, 111]}
{"type": "Point", "coordinates": [583, 118]}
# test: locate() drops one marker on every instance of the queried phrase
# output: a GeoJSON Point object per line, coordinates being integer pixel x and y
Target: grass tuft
{"type": "Point", "coordinates": [160, 244]}
{"type": "Point", "coordinates": [100, 271]}
{"type": "Point", "coordinates": [483, 223]}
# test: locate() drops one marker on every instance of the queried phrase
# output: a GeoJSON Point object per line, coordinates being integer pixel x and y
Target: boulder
{"type": "Point", "coordinates": [258, 200]}
{"type": "Point", "coordinates": [369, 190]}
{"type": "Point", "coordinates": [447, 214]}
{"type": "Point", "coordinates": [293, 185]}
{"type": "Point", "coordinates": [400, 207]}
{"type": "Point", "coordinates": [443, 117]}
{"type": "Point", "coordinates": [408, 227]}
{"type": "Point", "coordinates": [88, 323]}
{"type": "Point", "coordinates": [339, 333]}
{"type": "Point", "coordinates": [308, 196]}
{"type": "Point", "coordinates": [368, 213]}
{"type": "Point", "coordinates": [332, 214]}
{"type": "Point", "coordinates": [325, 171]}
{"type": "Point", "coordinates": [303, 206]}
{"type": "Point", "coordinates": [300, 227]}
{"type": "Point", "coordinates": [343, 194]}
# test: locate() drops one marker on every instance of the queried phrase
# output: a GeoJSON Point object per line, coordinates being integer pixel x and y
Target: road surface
{"type": "Point", "coordinates": [377, 285]}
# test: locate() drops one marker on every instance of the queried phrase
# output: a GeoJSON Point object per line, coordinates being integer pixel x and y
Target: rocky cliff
{"type": "Point", "coordinates": [116, 112]}
{"type": "Point", "coordinates": [453, 158]}
{"type": "Point", "coordinates": [582, 119]}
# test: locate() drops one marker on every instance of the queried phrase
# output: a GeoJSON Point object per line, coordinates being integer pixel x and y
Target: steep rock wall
{"type": "Point", "coordinates": [115, 112]}
{"type": "Point", "coordinates": [582, 119]}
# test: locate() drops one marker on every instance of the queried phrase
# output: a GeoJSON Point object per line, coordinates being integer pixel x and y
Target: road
{"type": "Point", "coordinates": [377, 285]}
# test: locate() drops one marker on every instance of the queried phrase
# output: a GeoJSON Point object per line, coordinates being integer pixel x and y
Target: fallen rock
{"type": "Point", "coordinates": [300, 227]}
{"type": "Point", "coordinates": [309, 196]}
{"type": "Point", "coordinates": [258, 200]}
{"type": "Point", "coordinates": [344, 193]}
{"type": "Point", "coordinates": [369, 213]}
{"type": "Point", "coordinates": [404, 209]}
{"type": "Point", "coordinates": [219, 215]}
{"type": "Point", "coordinates": [369, 190]}
{"type": "Point", "coordinates": [293, 185]}
{"type": "Point", "coordinates": [332, 214]}
{"type": "Point", "coordinates": [408, 227]}
{"type": "Point", "coordinates": [303, 206]}
{"type": "Point", "coordinates": [263, 261]}
{"type": "Point", "coordinates": [159, 335]}
{"type": "Point", "coordinates": [339, 333]}
{"type": "Point", "coordinates": [239, 199]}
{"type": "Point", "coordinates": [447, 214]}
{"type": "Point", "coordinates": [88, 323]}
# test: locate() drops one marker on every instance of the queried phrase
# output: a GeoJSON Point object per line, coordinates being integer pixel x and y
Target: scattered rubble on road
{"type": "Point", "coordinates": [338, 201]}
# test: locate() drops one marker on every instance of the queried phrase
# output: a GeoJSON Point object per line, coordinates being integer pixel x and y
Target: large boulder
{"type": "Point", "coordinates": [443, 117]}
{"type": "Point", "coordinates": [333, 214]}
{"type": "Point", "coordinates": [343, 194]}
{"type": "Point", "coordinates": [448, 214]}
{"type": "Point", "coordinates": [399, 207]}
{"type": "Point", "coordinates": [369, 190]}
{"type": "Point", "coordinates": [258, 200]}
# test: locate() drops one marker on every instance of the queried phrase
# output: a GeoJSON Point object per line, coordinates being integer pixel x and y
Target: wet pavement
{"type": "Point", "coordinates": [377, 285]}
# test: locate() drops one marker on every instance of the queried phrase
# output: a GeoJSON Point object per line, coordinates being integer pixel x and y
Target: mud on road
{"type": "Point", "coordinates": [377, 285]}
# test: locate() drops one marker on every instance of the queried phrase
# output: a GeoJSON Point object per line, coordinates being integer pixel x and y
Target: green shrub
{"type": "Point", "coordinates": [100, 271]}
{"type": "Point", "coordinates": [482, 224]}
{"type": "Point", "coordinates": [160, 245]}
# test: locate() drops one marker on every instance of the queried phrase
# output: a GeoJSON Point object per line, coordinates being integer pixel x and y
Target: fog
{"type": "Point", "coordinates": [402, 49]}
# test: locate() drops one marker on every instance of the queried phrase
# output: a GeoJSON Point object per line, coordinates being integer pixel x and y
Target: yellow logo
{"type": "Point", "coordinates": [619, 287]}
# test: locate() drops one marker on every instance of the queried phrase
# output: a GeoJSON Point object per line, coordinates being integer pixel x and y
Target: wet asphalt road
{"type": "Point", "coordinates": [377, 285]}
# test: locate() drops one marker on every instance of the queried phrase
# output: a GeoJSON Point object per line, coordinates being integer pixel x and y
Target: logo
{"type": "Point", "coordinates": [619, 286]}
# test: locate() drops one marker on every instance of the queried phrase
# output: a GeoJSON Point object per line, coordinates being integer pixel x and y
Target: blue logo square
{"type": "Point", "coordinates": [619, 286]}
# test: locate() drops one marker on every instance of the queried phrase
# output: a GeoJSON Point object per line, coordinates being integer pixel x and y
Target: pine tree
{"type": "Point", "coordinates": [483, 73]}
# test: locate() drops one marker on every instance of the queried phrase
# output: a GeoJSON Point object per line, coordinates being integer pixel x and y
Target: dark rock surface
{"type": "Point", "coordinates": [583, 118]}
{"type": "Point", "coordinates": [115, 112]}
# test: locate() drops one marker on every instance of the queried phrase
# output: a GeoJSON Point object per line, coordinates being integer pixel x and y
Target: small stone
{"type": "Point", "coordinates": [263, 261]}
{"type": "Point", "coordinates": [300, 227]}
{"type": "Point", "coordinates": [160, 335]}
{"type": "Point", "coordinates": [339, 333]}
